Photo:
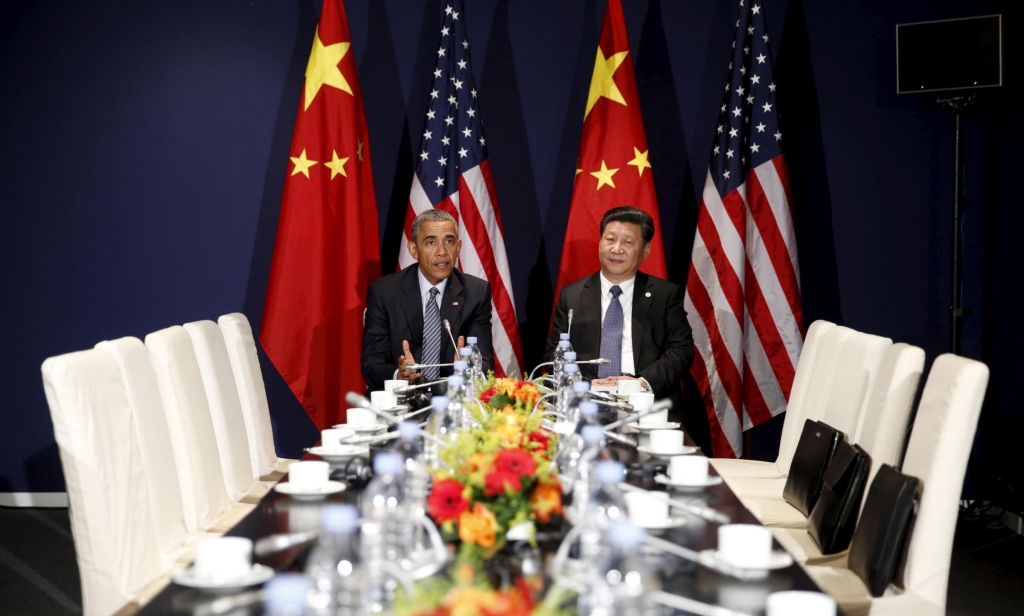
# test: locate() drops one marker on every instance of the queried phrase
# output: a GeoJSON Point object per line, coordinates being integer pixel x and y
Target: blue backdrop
{"type": "Point", "coordinates": [144, 145]}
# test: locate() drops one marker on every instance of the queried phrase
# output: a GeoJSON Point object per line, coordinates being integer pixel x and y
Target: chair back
{"type": "Point", "coordinates": [150, 423]}
{"type": "Point", "coordinates": [252, 394]}
{"type": "Point", "coordinates": [225, 408]}
{"type": "Point", "coordinates": [853, 376]}
{"type": "Point", "coordinates": [940, 444]}
{"type": "Point", "coordinates": [190, 426]}
{"type": "Point", "coordinates": [115, 542]}
{"type": "Point", "coordinates": [793, 422]}
{"type": "Point", "coordinates": [883, 425]}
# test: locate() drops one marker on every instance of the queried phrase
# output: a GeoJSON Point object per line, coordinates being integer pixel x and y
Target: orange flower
{"type": "Point", "coordinates": [478, 526]}
{"type": "Point", "coordinates": [479, 461]}
{"type": "Point", "coordinates": [527, 395]}
{"type": "Point", "coordinates": [546, 501]}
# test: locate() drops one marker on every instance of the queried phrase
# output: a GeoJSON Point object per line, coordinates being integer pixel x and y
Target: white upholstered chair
{"type": "Point", "coordinates": [849, 383]}
{"type": "Point", "coordinates": [228, 421]}
{"type": "Point", "coordinates": [115, 541]}
{"type": "Point", "coordinates": [245, 364]}
{"type": "Point", "coordinates": [940, 444]}
{"type": "Point", "coordinates": [190, 426]}
{"type": "Point", "coordinates": [882, 432]}
{"type": "Point", "coordinates": [793, 422]}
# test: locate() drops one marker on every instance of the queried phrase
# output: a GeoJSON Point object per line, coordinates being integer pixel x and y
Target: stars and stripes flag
{"type": "Point", "coordinates": [327, 248]}
{"type": "Point", "coordinates": [743, 289]}
{"type": "Point", "coordinates": [452, 173]}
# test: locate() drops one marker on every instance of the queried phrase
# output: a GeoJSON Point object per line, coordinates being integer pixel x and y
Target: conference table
{"type": "Point", "coordinates": [278, 513]}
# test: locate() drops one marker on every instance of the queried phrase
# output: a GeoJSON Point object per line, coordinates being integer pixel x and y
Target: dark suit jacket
{"type": "Point", "coordinates": [394, 312]}
{"type": "Point", "coordinates": [662, 339]}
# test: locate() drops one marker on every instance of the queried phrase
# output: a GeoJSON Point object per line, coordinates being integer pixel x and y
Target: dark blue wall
{"type": "Point", "coordinates": [143, 148]}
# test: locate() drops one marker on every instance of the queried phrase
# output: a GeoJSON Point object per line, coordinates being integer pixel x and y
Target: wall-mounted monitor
{"type": "Point", "coordinates": [952, 54]}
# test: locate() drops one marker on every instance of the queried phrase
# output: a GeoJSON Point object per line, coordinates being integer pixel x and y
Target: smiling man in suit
{"type": "Point", "coordinates": [635, 320]}
{"type": "Point", "coordinates": [405, 311]}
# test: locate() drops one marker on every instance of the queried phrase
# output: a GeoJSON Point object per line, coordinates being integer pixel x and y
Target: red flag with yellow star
{"type": "Point", "coordinates": [613, 167]}
{"type": "Point", "coordinates": [327, 247]}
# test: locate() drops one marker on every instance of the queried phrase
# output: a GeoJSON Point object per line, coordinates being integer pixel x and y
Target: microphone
{"type": "Point", "coordinates": [600, 361]}
{"type": "Point", "coordinates": [361, 402]}
{"type": "Point", "coordinates": [448, 328]}
{"type": "Point", "coordinates": [569, 329]}
{"type": "Point", "coordinates": [657, 407]}
{"type": "Point", "coordinates": [421, 366]}
{"type": "Point", "coordinates": [404, 389]}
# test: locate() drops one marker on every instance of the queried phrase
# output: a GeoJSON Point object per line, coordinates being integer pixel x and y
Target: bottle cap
{"type": "Point", "coordinates": [455, 380]}
{"type": "Point", "coordinates": [570, 368]}
{"type": "Point", "coordinates": [563, 336]}
{"type": "Point", "coordinates": [461, 364]}
{"type": "Point", "coordinates": [287, 593]}
{"type": "Point", "coordinates": [466, 352]}
{"type": "Point", "coordinates": [339, 518]}
{"type": "Point", "coordinates": [439, 403]}
{"type": "Point", "coordinates": [609, 471]}
{"type": "Point", "coordinates": [593, 433]}
{"type": "Point", "coordinates": [581, 387]}
{"type": "Point", "coordinates": [564, 344]}
{"type": "Point", "coordinates": [625, 535]}
{"type": "Point", "coordinates": [471, 339]}
{"type": "Point", "coordinates": [387, 463]}
{"type": "Point", "coordinates": [570, 356]}
{"type": "Point", "coordinates": [588, 408]}
{"type": "Point", "coordinates": [409, 430]}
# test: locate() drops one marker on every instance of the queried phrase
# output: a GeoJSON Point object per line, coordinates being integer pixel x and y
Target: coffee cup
{"type": "Point", "coordinates": [745, 545]}
{"type": "Point", "coordinates": [802, 602]}
{"type": "Point", "coordinates": [222, 559]}
{"type": "Point", "coordinates": [331, 438]}
{"type": "Point", "coordinates": [648, 509]}
{"type": "Point", "coordinates": [391, 385]}
{"type": "Point", "coordinates": [666, 441]}
{"type": "Point", "coordinates": [692, 470]}
{"type": "Point", "coordinates": [655, 419]}
{"type": "Point", "coordinates": [362, 418]}
{"type": "Point", "coordinates": [628, 386]}
{"type": "Point", "coordinates": [383, 399]}
{"type": "Point", "coordinates": [640, 400]}
{"type": "Point", "coordinates": [309, 474]}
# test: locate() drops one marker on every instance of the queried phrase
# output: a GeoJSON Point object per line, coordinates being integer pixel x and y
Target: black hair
{"type": "Point", "coordinates": [632, 215]}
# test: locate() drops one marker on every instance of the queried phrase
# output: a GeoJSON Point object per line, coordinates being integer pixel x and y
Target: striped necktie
{"type": "Point", "coordinates": [611, 337]}
{"type": "Point", "coordinates": [432, 336]}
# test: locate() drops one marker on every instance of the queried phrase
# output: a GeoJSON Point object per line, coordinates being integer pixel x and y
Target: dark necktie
{"type": "Point", "coordinates": [611, 337]}
{"type": "Point", "coordinates": [431, 336]}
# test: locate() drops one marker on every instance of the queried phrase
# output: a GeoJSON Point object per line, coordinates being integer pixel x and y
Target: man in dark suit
{"type": "Point", "coordinates": [405, 311]}
{"type": "Point", "coordinates": [635, 320]}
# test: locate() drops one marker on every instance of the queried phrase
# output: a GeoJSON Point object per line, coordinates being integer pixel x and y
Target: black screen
{"type": "Point", "coordinates": [949, 55]}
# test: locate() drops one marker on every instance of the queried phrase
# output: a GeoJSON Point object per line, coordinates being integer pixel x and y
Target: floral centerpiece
{"type": "Point", "coordinates": [498, 475]}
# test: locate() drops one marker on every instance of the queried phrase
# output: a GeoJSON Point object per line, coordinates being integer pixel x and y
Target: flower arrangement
{"type": "Point", "coordinates": [498, 475]}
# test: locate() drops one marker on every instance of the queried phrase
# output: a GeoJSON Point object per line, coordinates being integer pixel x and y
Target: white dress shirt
{"type": "Point", "coordinates": [626, 300]}
{"type": "Point", "coordinates": [425, 287]}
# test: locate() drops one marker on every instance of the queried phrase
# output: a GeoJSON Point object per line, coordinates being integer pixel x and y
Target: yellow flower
{"type": "Point", "coordinates": [478, 526]}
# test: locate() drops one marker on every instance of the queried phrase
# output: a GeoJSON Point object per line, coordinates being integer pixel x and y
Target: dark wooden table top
{"type": "Point", "coordinates": [277, 513]}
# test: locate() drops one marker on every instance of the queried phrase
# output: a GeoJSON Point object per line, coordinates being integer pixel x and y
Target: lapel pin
{"type": "Point", "coordinates": [648, 294]}
{"type": "Point", "coordinates": [457, 303]}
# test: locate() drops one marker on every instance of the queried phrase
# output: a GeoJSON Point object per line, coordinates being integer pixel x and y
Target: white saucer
{"type": "Point", "coordinates": [712, 480]}
{"type": "Point", "coordinates": [377, 427]}
{"type": "Point", "coordinates": [672, 522]}
{"type": "Point", "coordinates": [341, 453]}
{"type": "Point", "coordinates": [780, 559]}
{"type": "Point", "coordinates": [668, 425]}
{"type": "Point", "coordinates": [331, 487]}
{"type": "Point", "coordinates": [257, 575]}
{"type": "Point", "coordinates": [685, 451]}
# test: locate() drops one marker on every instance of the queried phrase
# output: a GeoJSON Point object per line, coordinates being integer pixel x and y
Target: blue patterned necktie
{"type": "Point", "coordinates": [611, 337]}
{"type": "Point", "coordinates": [431, 336]}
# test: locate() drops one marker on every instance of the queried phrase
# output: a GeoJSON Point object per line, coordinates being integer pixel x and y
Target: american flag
{"type": "Point", "coordinates": [743, 289]}
{"type": "Point", "coordinates": [452, 173]}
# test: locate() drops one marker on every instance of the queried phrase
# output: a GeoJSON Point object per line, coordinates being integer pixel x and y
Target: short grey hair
{"type": "Point", "coordinates": [432, 215]}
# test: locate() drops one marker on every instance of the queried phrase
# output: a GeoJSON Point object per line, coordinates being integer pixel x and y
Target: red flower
{"type": "Point", "coordinates": [541, 438]}
{"type": "Point", "coordinates": [446, 501]}
{"type": "Point", "coordinates": [515, 462]}
{"type": "Point", "coordinates": [497, 480]}
{"type": "Point", "coordinates": [485, 396]}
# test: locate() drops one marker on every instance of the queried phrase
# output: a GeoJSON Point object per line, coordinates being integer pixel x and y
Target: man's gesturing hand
{"type": "Point", "coordinates": [405, 359]}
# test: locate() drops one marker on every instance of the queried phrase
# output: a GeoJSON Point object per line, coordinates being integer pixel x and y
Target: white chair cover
{"type": "Point", "coordinates": [152, 432]}
{"type": "Point", "coordinates": [113, 529]}
{"type": "Point", "coordinates": [228, 422]}
{"type": "Point", "coordinates": [190, 426]}
{"type": "Point", "coordinates": [940, 444]}
{"type": "Point", "coordinates": [245, 365]}
{"type": "Point", "coordinates": [731, 467]}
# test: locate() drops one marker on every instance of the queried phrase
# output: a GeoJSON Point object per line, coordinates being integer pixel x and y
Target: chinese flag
{"type": "Point", "coordinates": [613, 168]}
{"type": "Point", "coordinates": [327, 248]}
